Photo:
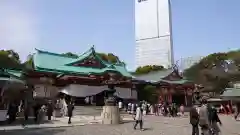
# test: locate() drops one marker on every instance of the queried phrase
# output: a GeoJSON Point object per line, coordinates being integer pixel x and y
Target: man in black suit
{"type": "Point", "coordinates": [70, 111]}
{"type": "Point", "coordinates": [194, 120]}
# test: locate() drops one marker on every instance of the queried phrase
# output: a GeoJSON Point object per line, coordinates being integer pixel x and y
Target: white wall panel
{"type": "Point", "coordinates": [155, 51]}
{"type": "Point", "coordinates": [146, 24]}
{"type": "Point", "coordinates": [82, 90]}
{"type": "Point", "coordinates": [45, 90]}
{"type": "Point", "coordinates": [134, 94]}
{"type": "Point", "coordinates": [153, 33]}
{"type": "Point", "coordinates": [163, 17]}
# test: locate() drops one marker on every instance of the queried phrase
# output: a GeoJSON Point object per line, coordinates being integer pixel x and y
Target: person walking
{"type": "Point", "coordinates": [144, 107]}
{"type": "Point", "coordinates": [139, 117]}
{"type": "Point", "coordinates": [237, 111]}
{"type": "Point", "coordinates": [36, 109]}
{"type": "Point", "coordinates": [132, 108]}
{"type": "Point", "coordinates": [12, 112]}
{"type": "Point", "coordinates": [70, 108]}
{"type": "Point", "coordinates": [120, 105]}
{"type": "Point", "coordinates": [156, 109]}
{"type": "Point", "coordinates": [41, 114]}
{"type": "Point", "coordinates": [174, 110]}
{"type": "Point", "coordinates": [204, 118]}
{"type": "Point", "coordinates": [49, 110]}
{"type": "Point", "coordinates": [129, 108]}
{"type": "Point", "coordinates": [194, 120]}
{"type": "Point", "coordinates": [26, 112]}
{"type": "Point", "coordinates": [182, 109]}
{"type": "Point", "coordinates": [214, 119]}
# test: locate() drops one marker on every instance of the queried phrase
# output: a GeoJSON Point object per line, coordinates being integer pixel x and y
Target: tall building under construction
{"type": "Point", "coordinates": [153, 33]}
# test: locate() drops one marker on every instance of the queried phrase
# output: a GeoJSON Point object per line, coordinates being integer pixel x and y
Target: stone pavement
{"type": "Point", "coordinates": [154, 125]}
{"type": "Point", "coordinates": [77, 120]}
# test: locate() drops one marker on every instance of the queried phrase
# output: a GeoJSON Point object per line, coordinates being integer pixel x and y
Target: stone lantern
{"type": "Point", "coordinates": [110, 113]}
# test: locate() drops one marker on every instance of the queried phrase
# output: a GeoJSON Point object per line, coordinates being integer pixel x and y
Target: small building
{"type": "Point", "coordinates": [11, 83]}
{"type": "Point", "coordinates": [12, 89]}
{"type": "Point", "coordinates": [232, 94]}
{"type": "Point", "coordinates": [86, 76]}
{"type": "Point", "coordinates": [171, 86]}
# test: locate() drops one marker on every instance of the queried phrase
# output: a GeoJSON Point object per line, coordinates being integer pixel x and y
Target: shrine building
{"type": "Point", "coordinates": [85, 76]}
{"type": "Point", "coordinates": [170, 86]}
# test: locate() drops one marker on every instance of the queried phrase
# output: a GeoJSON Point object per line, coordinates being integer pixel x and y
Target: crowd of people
{"type": "Point", "coordinates": [138, 110]}
{"type": "Point", "coordinates": [205, 116]}
{"type": "Point", "coordinates": [60, 108]}
{"type": "Point", "coordinates": [164, 109]}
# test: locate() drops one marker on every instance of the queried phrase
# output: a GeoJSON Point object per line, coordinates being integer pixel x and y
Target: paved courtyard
{"type": "Point", "coordinates": [154, 126]}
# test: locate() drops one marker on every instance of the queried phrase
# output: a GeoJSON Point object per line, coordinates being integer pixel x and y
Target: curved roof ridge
{"type": "Point", "coordinates": [119, 63]}
{"type": "Point", "coordinates": [52, 53]}
{"type": "Point", "coordinates": [88, 51]}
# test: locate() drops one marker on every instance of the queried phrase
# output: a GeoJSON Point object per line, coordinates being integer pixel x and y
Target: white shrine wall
{"type": "Point", "coordinates": [44, 90]}
{"type": "Point", "coordinates": [49, 91]}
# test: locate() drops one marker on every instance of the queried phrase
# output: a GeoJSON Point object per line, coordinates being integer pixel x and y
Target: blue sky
{"type": "Point", "coordinates": [200, 27]}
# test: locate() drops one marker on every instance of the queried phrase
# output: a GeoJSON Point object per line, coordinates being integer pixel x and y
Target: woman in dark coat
{"type": "Point", "coordinates": [12, 112]}
{"type": "Point", "coordinates": [49, 110]}
{"type": "Point", "coordinates": [194, 121]}
{"type": "Point", "coordinates": [214, 119]}
{"type": "Point", "coordinates": [36, 109]}
{"type": "Point", "coordinates": [70, 111]}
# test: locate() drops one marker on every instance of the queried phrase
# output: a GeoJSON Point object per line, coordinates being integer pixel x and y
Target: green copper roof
{"type": "Point", "coordinates": [11, 73]}
{"type": "Point", "coordinates": [182, 81]}
{"type": "Point", "coordinates": [154, 76]}
{"type": "Point", "coordinates": [231, 92]}
{"type": "Point", "coordinates": [158, 76]}
{"type": "Point", "coordinates": [15, 73]}
{"type": "Point", "coordinates": [52, 62]}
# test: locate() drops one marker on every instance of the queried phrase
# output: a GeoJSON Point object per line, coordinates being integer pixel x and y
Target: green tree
{"type": "Point", "coordinates": [148, 93]}
{"type": "Point", "coordinates": [28, 64]}
{"type": "Point", "coordinates": [69, 54]}
{"type": "Point", "coordinates": [109, 57]}
{"type": "Point", "coordinates": [215, 71]}
{"type": "Point", "coordinates": [9, 59]}
{"type": "Point", "coordinates": [103, 56]}
{"type": "Point", "coordinates": [148, 68]}
{"type": "Point", "coordinates": [112, 58]}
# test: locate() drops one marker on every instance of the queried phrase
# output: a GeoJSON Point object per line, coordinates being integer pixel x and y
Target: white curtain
{"type": "Point", "coordinates": [82, 90]}
{"type": "Point", "coordinates": [134, 94]}
{"type": "Point", "coordinates": [85, 90]}
{"type": "Point", "coordinates": [126, 93]}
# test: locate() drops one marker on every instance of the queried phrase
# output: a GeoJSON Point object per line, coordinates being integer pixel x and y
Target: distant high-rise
{"type": "Point", "coordinates": [153, 33]}
{"type": "Point", "coordinates": [185, 63]}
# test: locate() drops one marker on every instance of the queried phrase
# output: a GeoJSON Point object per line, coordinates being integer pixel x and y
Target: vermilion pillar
{"type": "Point", "coordinates": [170, 97]}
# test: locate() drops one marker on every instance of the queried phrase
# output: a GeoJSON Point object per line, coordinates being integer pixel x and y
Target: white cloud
{"type": "Point", "coordinates": [18, 29]}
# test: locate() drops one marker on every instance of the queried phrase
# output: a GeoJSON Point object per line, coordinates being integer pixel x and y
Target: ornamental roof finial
{"type": "Point", "coordinates": [93, 48]}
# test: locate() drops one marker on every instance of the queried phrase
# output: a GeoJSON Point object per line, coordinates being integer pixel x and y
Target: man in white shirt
{"type": "Point", "coordinates": [139, 117]}
{"type": "Point", "coordinates": [120, 105]}
{"type": "Point", "coordinates": [132, 108]}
